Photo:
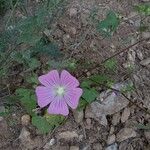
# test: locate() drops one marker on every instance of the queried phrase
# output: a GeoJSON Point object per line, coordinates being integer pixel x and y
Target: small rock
{"type": "Point", "coordinates": [108, 103]}
{"type": "Point", "coordinates": [66, 37]}
{"type": "Point", "coordinates": [139, 54]}
{"type": "Point", "coordinates": [125, 115]}
{"type": "Point", "coordinates": [111, 139]}
{"type": "Point", "coordinates": [116, 118]}
{"type": "Point", "coordinates": [4, 130]}
{"type": "Point", "coordinates": [145, 34]}
{"type": "Point", "coordinates": [125, 134]}
{"type": "Point", "coordinates": [87, 147]}
{"type": "Point", "coordinates": [74, 147]}
{"type": "Point", "coordinates": [73, 12]}
{"type": "Point", "coordinates": [73, 30]}
{"type": "Point", "coordinates": [78, 116]}
{"type": "Point", "coordinates": [145, 62]}
{"type": "Point", "coordinates": [147, 135]}
{"type": "Point", "coordinates": [112, 129]}
{"type": "Point", "coordinates": [112, 147]}
{"type": "Point", "coordinates": [49, 144]}
{"type": "Point", "coordinates": [25, 137]}
{"type": "Point", "coordinates": [27, 141]}
{"type": "Point", "coordinates": [97, 146]}
{"type": "Point", "coordinates": [67, 135]}
{"type": "Point", "coordinates": [25, 119]}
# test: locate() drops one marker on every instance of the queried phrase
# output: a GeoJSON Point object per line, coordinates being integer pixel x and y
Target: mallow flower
{"type": "Point", "coordinates": [59, 91]}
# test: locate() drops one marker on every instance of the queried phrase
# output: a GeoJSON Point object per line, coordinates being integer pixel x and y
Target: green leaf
{"type": "Point", "coordinates": [54, 120]}
{"type": "Point", "coordinates": [90, 94]}
{"type": "Point", "coordinates": [27, 99]}
{"type": "Point", "coordinates": [32, 79]}
{"type": "Point", "coordinates": [109, 25]}
{"type": "Point", "coordinates": [86, 83]}
{"type": "Point", "coordinates": [33, 63]}
{"type": "Point", "coordinates": [143, 9]}
{"type": "Point", "coordinates": [82, 104]}
{"type": "Point", "coordinates": [41, 124]}
{"type": "Point", "coordinates": [100, 79]}
{"type": "Point", "coordinates": [111, 64]}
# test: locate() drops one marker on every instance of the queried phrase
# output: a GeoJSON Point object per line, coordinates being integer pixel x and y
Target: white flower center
{"type": "Point", "coordinates": [60, 90]}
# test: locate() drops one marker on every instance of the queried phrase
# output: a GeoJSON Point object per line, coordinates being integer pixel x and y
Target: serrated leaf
{"type": "Point", "coordinates": [33, 63]}
{"type": "Point", "coordinates": [54, 120]}
{"type": "Point", "coordinates": [32, 79]}
{"type": "Point", "coordinates": [41, 124]}
{"type": "Point", "coordinates": [100, 79]}
{"type": "Point", "coordinates": [89, 94]}
{"type": "Point", "coordinates": [27, 99]}
{"type": "Point", "coordinates": [109, 25]}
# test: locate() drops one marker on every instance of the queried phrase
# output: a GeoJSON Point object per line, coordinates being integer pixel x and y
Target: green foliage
{"type": "Point", "coordinates": [41, 124]}
{"type": "Point", "coordinates": [109, 25]}
{"type": "Point", "coordinates": [111, 64]}
{"type": "Point", "coordinates": [47, 123]}
{"type": "Point", "coordinates": [89, 91]}
{"type": "Point", "coordinates": [142, 126]}
{"type": "Point", "coordinates": [89, 94]}
{"type": "Point", "coordinates": [101, 80]}
{"type": "Point", "coordinates": [32, 79]}
{"type": "Point", "coordinates": [82, 104]}
{"type": "Point", "coordinates": [54, 120]}
{"type": "Point", "coordinates": [143, 9]}
{"type": "Point", "coordinates": [27, 99]}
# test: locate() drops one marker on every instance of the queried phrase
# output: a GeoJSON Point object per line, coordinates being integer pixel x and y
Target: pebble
{"type": "Point", "coordinates": [111, 139]}
{"type": "Point", "coordinates": [27, 142]}
{"type": "Point", "coordinates": [125, 115]}
{"type": "Point", "coordinates": [74, 147]}
{"type": "Point", "coordinates": [25, 119]}
{"type": "Point", "coordinates": [145, 62]}
{"type": "Point", "coordinates": [49, 144]}
{"type": "Point", "coordinates": [97, 146]}
{"type": "Point", "coordinates": [67, 135]}
{"type": "Point", "coordinates": [4, 130]}
{"type": "Point", "coordinates": [125, 134]}
{"type": "Point", "coordinates": [73, 12]}
{"type": "Point", "coordinates": [146, 34]}
{"type": "Point", "coordinates": [116, 118]}
{"type": "Point", "coordinates": [147, 135]}
{"type": "Point", "coordinates": [112, 147]}
{"type": "Point", "coordinates": [78, 116]}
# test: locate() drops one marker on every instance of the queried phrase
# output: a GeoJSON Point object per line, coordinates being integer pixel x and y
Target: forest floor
{"type": "Point", "coordinates": [101, 126]}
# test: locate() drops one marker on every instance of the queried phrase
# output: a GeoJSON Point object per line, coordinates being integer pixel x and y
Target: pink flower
{"type": "Point", "coordinates": [60, 91]}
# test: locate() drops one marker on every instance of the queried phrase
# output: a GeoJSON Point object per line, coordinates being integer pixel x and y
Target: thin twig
{"type": "Point", "coordinates": [121, 51]}
{"type": "Point", "coordinates": [146, 111]}
{"type": "Point", "coordinates": [124, 50]}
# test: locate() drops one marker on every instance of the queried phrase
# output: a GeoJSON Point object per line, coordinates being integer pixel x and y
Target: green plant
{"type": "Point", "coordinates": [143, 9]}
{"type": "Point", "coordinates": [109, 25]}
{"type": "Point", "coordinates": [22, 44]}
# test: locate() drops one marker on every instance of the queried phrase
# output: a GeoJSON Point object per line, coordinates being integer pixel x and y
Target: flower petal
{"type": "Point", "coordinates": [68, 80]}
{"type": "Point", "coordinates": [58, 106]}
{"type": "Point", "coordinates": [73, 96]}
{"type": "Point", "coordinates": [50, 79]}
{"type": "Point", "coordinates": [44, 96]}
